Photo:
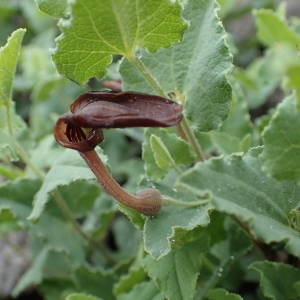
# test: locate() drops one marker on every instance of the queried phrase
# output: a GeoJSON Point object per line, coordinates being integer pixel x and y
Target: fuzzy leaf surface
{"type": "Point", "coordinates": [178, 151]}
{"type": "Point", "coordinates": [163, 232]}
{"type": "Point", "coordinates": [98, 30]}
{"type": "Point", "coordinates": [145, 290]}
{"type": "Point", "coordinates": [221, 294]}
{"type": "Point", "coordinates": [176, 273]}
{"type": "Point", "coordinates": [278, 281]}
{"type": "Point", "coordinates": [239, 187]}
{"type": "Point", "coordinates": [56, 8]}
{"type": "Point", "coordinates": [8, 62]}
{"type": "Point", "coordinates": [281, 154]}
{"type": "Point", "coordinates": [194, 69]}
{"type": "Point", "coordinates": [9, 122]}
{"type": "Point", "coordinates": [95, 282]}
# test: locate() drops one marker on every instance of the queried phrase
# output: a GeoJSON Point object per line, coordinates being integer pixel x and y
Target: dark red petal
{"type": "Point", "coordinates": [125, 109]}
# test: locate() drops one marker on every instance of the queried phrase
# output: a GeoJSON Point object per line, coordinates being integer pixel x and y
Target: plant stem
{"type": "Point", "coordinates": [192, 140]}
{"type": "Point", "coordinates": [148, 76]}
{"type": "Point", "coordinates": [26, 159]}
{"type": "Point", "coordinates": [69, 215]}
{"type": "Point", "coordinates": [168, 200]}
{"type": "Point", "coordinates": [182, 127]}
{"type": "Point", "coordinates": [147, 202]}
{"type": "Point", "coordinates": [213, 279]}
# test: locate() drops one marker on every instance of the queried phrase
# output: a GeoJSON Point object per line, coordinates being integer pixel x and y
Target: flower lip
{"type": "Point", "coordinates": [124, 109]}
{"type": "Point", "coordinates": [71, 136]}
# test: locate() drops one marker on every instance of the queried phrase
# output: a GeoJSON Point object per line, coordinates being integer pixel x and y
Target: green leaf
{"type": "Point", "coordinates": [195, 69]}
{"type": "Point", "coordinates": [234, 134]}
{"type": "Point", "coordinates": [17, 196]}
{"type": "Point", "coordinates": [127, 248]}
{"type": "Point", "coordinates": [135, 275]}
{"type": "Point", "coordinates": [35, 19]}
{"type": "Point", "coordinates": [278, 281]}
{"type": "Point", "coordinates": [164, 231]}
{"type": "Point", "coordinates": [10, 123]}
{"type": "Point", "coordinates": [176, 273]}
{"type": "Point", "coordinates": [56, 288]}
{"type": "Point", "coordinates": [9, 55]}
{"type": "Point", "coordinates": [162, 156]}
{"type": "Point", "coordinates": [69, 168]}
{"type": "Point", "coordinates": [156, 156]}
{"type": "Point", "coordinates": [272, 28]}
{"type": "Point", "coordinates": [292, 78]}
{"type": "Point", "coordinates": [95, 282]}
{"type": "Point", "coordinates": [225, 251]}
{"type": "Point", "coordinates": [57, 262]}
{"type": "Point", "coordinates": [8, 221]}
{"type": "Point", "coordinates": [258, 81]}
{"type": "Point", "coordinates": [81, 297]}
{"type": "Point", "coordinates": [151, 168]}
{"type": "Point", "coordinates": [239, 187]}
{"type": "Point", "coordinates": [282, 142]}
{"type": "Point", "coordinates": [97, 30]}
{"type": "Point", "coordinates": [294, 218]}
{"type": "Point", "coordinates": [146, 291]}
{"type": "Point", "coordinates": [56, 8]}
{"type": "Point", "coordinates": [221, 294]}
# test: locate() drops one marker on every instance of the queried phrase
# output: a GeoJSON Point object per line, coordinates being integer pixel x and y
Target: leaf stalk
{"type": "Point", "coordinates": [183, 126]}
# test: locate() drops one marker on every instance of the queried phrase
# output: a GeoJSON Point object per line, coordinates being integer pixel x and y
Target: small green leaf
{"type": "Point", "coordinates": [56, 288]}
{"type": "Point", "coordinates": [17, 196]}
{"type": "Point", "coordinates": [292, 80]}
{"type": "Point", "coordinates": [294, 218]}
{"type": "Point", "coordinates": [48, 262]}
{"type": "Point", "coordinates": [277, 281]}
{"type": "Point", "coordinates": [10, 123]}
{"type": "Point", "coordinates": [239, 187]}
{"type": "Point", "coordinates": [281, 154]}
{"type": "Point", "coordinates": [95, 282]}
{"type": "Point", "coordinates": [56, 8]}
{"type": "Point", "coordinates": [81, 297]}
{"type": "Point", "coordinates": [257, 81]}
{"type": "Point", "coordinates": [226, 143]}
{"type": "Point", "coordinates": [272, 28]}
{"type": "Point", "coordinates": [97, 30]}
{"type": "Point", "coordinates": [135, 275]}
{"type": "Point", "coordinates": [158, 159]}
{"type": "Point", "coordinates": [9, 55]}
{"type": "Point", "coordinates": [161, 153]}
{"type": "Point", "coordinates": [194, 69]}
{"type": "Point", "coordinates": [221, 294]}
{"type": "Point", "coordinates": [146, 291]}
{"type": "Point", "coordinates": [176, 273]}
{"type": "Point", "coordinates": [8, 221]}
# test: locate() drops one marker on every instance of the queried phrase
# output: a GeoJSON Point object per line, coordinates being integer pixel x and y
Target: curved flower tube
{"type": "Point", "coordinates": [81, 130]}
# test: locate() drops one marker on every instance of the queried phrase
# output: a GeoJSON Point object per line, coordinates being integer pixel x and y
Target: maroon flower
{"type": "Point", "coordinates": [81, 129]}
